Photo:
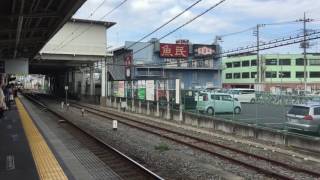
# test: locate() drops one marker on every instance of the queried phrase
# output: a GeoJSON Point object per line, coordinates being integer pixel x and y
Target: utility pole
{"type": "Point", "coordinates": [218, 51]}
{"type": "Point", "coordinates": [305, 45]}
{"type": "Point", "coordinates": [304, 51]}
{"type": "Point", "coordinates": [258, 57]}
{"type": "Point", "coordinates": [259, 74]}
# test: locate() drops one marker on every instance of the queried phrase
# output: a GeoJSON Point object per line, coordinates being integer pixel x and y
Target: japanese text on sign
{"type": "Point", "coordinates": [204, 50]}
{"type": "Point", "coordinates": [174, 50]}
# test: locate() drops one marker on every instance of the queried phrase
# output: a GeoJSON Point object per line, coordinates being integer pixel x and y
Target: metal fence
{"type": "Point", "coordinates": [267, 109]}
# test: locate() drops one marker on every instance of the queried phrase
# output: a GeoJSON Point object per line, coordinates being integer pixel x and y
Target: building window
{"type": "Point", "coordinates": [254, 62]}
{"type": "Point", "coordinates": [286, 74]}
{"type": "Point", "coordinates": [245, 75]}
{"type": "Point", "coordinates": [314, 62]}
{"type": "Point", "coordinates": [315, 74]}
{"type": "Point", "coordinates": [200, 63]}
{"type": "Point", "coordinates": [142, 72]}
{"type": "Point", "coordinates": [299, 74]}
{"type": "Point", "coordinates": [253, 74]}
{"type": "Point", "coordinates": [228, 75]}
{"type": "Point", "coordinates": [271, 61]}
{"type": "Point", "coordinates": [236, 64]}
{"type": "Point", "coordinates": [285, 62]}
{"type": "Point", "coordinates": [194, 76]}
{"type": "Point", "coordinates": [229, 65]}
{"type": "Point", "coordinates": [316, 111]}
{"type": "Point", "coordinates": [236, 75]}
{"type": "Point", "coordinates": [271, 74]}
{"type": "Point", "coordinates": [245, 63]}
{"type": "Point", "coordinates": [299, 62]}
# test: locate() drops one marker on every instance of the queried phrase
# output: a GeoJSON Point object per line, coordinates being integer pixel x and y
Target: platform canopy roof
{"type": "Point", "coordinates": [27, 25]}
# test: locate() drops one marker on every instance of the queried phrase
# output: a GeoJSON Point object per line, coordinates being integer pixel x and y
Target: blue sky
{"type": "Point", "coordinates": [138, 17]}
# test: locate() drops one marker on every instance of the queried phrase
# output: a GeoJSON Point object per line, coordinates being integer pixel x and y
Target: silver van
{"type": "Point", "coordinates": [304, 117]}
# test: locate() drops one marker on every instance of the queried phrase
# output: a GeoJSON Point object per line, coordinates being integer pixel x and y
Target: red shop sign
{"type": "Point", "coordinates": [174, 50]}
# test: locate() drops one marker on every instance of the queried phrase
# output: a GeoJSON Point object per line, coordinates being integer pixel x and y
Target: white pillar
{"type": "Point", "coordinates": [103, 81]}
{"type": "Point", "coordinates": [83, 84]}
{"type": "Point", "coordinates": [168, 100]}
{"type": "Point", "coordinates": [91, 82]}
{"type": "Point", "coordinates": [157, 99]}
{"type": "Point", "coordinates": [133, 109]}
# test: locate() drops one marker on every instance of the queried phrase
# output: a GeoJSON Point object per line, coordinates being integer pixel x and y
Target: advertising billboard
{"type": "Point", "coordinates": [174, 50]}
{"type": "Point", "coordinates": [141, 89]}
{"type": "Point", "coordinates": [202, 50]}
{"type": "Point", "coordinates": [150, 90]}
{"type": "Point", "coordinates": [115, 88]}
{"type": "Point", "coordinates": [121, 89]}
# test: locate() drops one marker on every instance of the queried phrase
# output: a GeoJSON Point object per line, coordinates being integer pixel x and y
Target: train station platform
{"type": "Point", "coordinates": [35, 145]}
{"type": "Point", "coordinates": [24, 153]}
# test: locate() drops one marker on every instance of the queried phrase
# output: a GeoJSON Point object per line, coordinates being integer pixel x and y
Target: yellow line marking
{"type": "Point", "coordinates": [46, 163]}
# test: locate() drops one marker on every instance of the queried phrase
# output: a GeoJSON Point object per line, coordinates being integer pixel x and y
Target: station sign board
{"type": "Point", "coordinates": [202, 50]}
{"type": "Point", "coordinates": [174, 50]}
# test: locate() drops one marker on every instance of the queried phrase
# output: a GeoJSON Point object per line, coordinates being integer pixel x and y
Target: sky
{"type": "Point", "coordinates": [136, 18]}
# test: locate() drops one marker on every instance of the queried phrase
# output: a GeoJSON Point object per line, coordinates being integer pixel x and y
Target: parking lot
{"type": "Point", "coordinates": [264, 114]}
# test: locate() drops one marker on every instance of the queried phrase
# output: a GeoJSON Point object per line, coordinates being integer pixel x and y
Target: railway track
{"type": "Point", "coordinates": [122, 165]}
{"type": "Point", "coordinates": [269, 167]}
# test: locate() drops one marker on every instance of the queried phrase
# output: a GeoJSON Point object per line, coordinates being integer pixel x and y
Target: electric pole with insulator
{"type": "Point", "coordinates": [305, 45]}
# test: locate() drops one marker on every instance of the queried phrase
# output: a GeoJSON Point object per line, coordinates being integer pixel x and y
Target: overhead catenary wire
{"type": "Point", "coordinates": [181, 26]}
{"type": "Point", "coordinates": [294, 38]}
{"type": "Point", "coordinates": [281, 23]}
{"type": "Point", "coordinates": [219, 55]}
{"type": "Point", "coordinates": [74, 31]}
{"type": "Point", "coordinates": [166, 23]}
{"type": "Point", "coordinates": [237, 32]}
{"type": "Point", "coordinates": [89, 27]}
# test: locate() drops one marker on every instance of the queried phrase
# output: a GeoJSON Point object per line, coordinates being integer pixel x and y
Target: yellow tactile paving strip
{"type": "Point", "coordinates": [47, 165]}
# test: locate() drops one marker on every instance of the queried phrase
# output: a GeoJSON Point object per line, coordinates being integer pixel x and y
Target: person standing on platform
{"type": "Point", "coordinates": [3, 106]}
{"type": "Point", "coordinates": [7, 91]}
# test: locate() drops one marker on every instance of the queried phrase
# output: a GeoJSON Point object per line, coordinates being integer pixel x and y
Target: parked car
{"type": "Point", "coordinates": [243, 95]}
{"type": "Point", "coordinates": [304, 117]}
{"type": "Point", "coordinates": [212, 103]}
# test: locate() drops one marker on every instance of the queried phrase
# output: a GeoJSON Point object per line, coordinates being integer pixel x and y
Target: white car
{"type": "Point", "coordinates": [243, 95]}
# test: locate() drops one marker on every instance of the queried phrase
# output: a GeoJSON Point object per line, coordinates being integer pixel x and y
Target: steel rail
{"type": "Point", "coordinates": [287, 166]}
{"type": "Point", "coordinates": [99, 140]}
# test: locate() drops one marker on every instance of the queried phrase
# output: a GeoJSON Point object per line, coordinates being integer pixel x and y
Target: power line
{"type": "Point", "coordinates": [254, 27]}
{"type": "Point", "coordinates": [111, 11]}
{"type": "Point", "coordinates": [85, 30]}
{"type": "Point", "coordinates": [74, 31]}
{"type": "Point", "coordinates": [271, 44]}
{"type": "Point", "coordinates": [186, 23]}
{"type": "Point", "coordinates": [281, 23]}
{"type": "Point", "coordinates": [166, 23]}
{"type": "Point", "coordinates": [97, 8]}
{"type": "Point", "coordinates": [237, 32]}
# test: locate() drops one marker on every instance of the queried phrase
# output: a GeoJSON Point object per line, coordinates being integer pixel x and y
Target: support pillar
{"type": "Point", "coordinates": [91, 82]}
{"type": "Point", "coordinates": [148, 107]}
{"type": "Point", "coordinates": [168, 100]}
{"type": "Point", "coordinates": [140, 110]}
{"type": "Point", "coordinates": [133, 109]}
{"type": "Point", "coordinates": [119, 105]}
{"type": "Point", "coordinates": [157, 99]}
{"type": "Point", "coordinates": [103, 98]}
{"type": "Point", "coordinates": [83, 84]}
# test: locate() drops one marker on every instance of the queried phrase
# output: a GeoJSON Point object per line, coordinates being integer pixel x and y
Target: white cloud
{"type": "Point", "coordinates": [139, 17]}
